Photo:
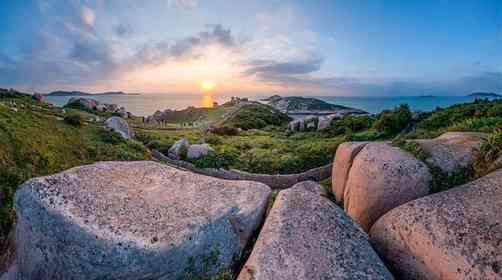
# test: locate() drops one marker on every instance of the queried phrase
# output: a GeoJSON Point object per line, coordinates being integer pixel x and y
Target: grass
{"type": "Point", "coordinates": [37, 141]}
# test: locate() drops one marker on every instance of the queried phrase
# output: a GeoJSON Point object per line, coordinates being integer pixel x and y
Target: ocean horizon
{"type": "Point", "coordinates": [147, 103]}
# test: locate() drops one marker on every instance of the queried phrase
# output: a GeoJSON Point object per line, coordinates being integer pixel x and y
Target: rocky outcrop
{"type": "Point", "coordinates": [325, 121]}
{"type": "Point", "coordinates": [345, 154]}
{"type": "Point", "coordinates": [306, 236]}
{"type": "Point", "coordinates": [455, 234]}
{"type": "Point", "coordinates": [120, 126]}
{"type": "Point", "coordinates": [198, 150]}
{"type": "Point", "coordinates": [133, 220]}
{"type": "Point", "coordinates": [83, 103]}
{"type": "Point", "coordinates": [178, 149]}
{"type": "Point", "coordinates": [452, 150]}
{"type": "Point", "coordinates": [381, 178]}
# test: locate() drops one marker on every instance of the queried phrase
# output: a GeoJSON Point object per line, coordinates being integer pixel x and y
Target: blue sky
{"type": "Point", "coordinates": [336, 47]}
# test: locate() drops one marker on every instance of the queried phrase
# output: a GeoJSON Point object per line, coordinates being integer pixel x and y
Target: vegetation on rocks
{"type": "Point", "coordinates": [391, 122]}
{"type": "Point", "coordinates": [39, 139]}
{"type": "Point", "coordinates": [489, 151]}
{"type": "Point", "coordinates": [257, 116]}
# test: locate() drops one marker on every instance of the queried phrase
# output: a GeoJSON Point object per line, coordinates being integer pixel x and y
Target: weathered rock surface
{"type": "Point", "coordinates": [451, 150]}
{"type": "Point", "coordinates": [85, 103]}
{"type": "Point", "coordinates": [133, 220]}
{"type": "Point", "coordinates": [198, 150]}
{"type": "Point", "coordinates": [178, 148]}
{"type": "Point", "coordinates": [306, 236]}
{"type": "Point", "coordinates": [121, 126]}
{"type": "Point", "coordinates": [455, 234]}
{"type": "Point", "coordinates": [345, 154]}
{"type": "Point", "coordinates": [381, 178]}
{"type": "Point", "coordinates": [325, 121]}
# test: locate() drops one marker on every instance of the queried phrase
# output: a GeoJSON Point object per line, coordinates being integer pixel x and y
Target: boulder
{"type": "Point", "coordinates": [295, 126]}
{"type": "Point", "coordinates": [325, 121]}
{"type": "Point", "coordinates": [455, 234]}
{"type": "Point", "coordinates": [452, 150]}
{"type": "Point", "coordinates": [84, 103]}
{"type": "Point", "coordinates": [121, 126]}
{"type": "Point", "coordinates": [178, 149]}
{"type": "Point", "coordinates": [381, 178]}
{"type": "Point", "coordinates": [133, 220]}
{"type": "Point", "coordinates": [345, 154]}
{"type": "Point", "coordinates": [306, 236]}
{"type": "Point", "coordinates": [198, 150]}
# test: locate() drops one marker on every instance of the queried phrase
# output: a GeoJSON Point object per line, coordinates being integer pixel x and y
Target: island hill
{"type": "Point", "coordinates": [392, 176]}
{"type": "Point", "coordinates": [484, 94]}
{"type": "Point", "coordinates": [81, 93]}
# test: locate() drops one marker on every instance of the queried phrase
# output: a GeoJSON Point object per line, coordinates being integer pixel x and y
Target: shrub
{"type": "Point", "coordinates": [257, 116]}
{"type": "Point", "coordinates": [225, 131]}
{"type": "Point", "coordinates": [484, 124]}
{"type": "Point", "coordinates": [391, 122]}
{"type": "Point", "coordinates": [489, 151]}
{"type": "Point", "coordinates": [75, 119]}
{"type": "Point", "coordinates": [214, 160]}
{"type": "Point", "coordinates": [349, 123]}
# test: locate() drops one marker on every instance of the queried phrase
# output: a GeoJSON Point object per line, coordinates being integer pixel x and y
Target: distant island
{"type": "Point", "coordinates": [79, 93]}
{"type": "Point", "coordinates": [484, 94]}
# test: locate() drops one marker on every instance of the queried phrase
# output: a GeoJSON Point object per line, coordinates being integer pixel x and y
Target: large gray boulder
{"type": "Point", "coordinates": [381, 178]}
{"type": "Point", "coordinates": [455, 234]}
{"type": "Point", "coordinates": [325, 121]}
{"type": "Point", "coordinates": [121, 126]}
{"type": "Point", "coordinates": [84, 103]}
{"type": "Point", "coordinates": [452, 150]}
{"type": "Point", "coordinates": [133, 220]}
{"type": "Point", "coordinates": [199, 150]}
{"type": "Point", "coordinates": [178, 149]}
{"type": "Point", "coordinates": [306, 236]}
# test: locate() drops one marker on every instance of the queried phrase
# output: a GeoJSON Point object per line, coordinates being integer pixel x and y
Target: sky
{"type": "Point", "coordinates": [331, 47]}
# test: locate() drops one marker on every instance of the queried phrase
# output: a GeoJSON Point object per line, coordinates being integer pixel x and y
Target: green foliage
{"type": "Point", "coordinates": [74, 119]}
{"type": "Point", "coordinates": [484, 124]}
{"type": "Point", "coordinates": [35, 143]}
{"type": "Point", "coordinates": [213, 160]}
{"type": "Point", "coordinates": [225, 131]}
{"type": "Point", "coordinates": [442, 181]}
{"type": "Point", "coordinates": [350, 124]}
{"type": "Point", "coordinates": [443, 118]}
{"type": "Point", "coordinates": [489, 151]}
{"type": "Point", "coordinates": [391, 122]}
{"type": "Point", "coordinates": [257, 116]}
{"type": "Point", "coordinates": [410, 146]}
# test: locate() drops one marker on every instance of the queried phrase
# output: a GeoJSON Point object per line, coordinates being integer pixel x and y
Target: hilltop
{"type": "Point", "coordinates": [306, 105]}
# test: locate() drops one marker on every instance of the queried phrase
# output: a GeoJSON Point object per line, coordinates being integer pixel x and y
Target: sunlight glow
{"type": "Point", "coordinates": [207, 85]}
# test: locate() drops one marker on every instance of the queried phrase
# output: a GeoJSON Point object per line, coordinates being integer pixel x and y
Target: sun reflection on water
{"type": "Point", "coordinates": [207, 100]}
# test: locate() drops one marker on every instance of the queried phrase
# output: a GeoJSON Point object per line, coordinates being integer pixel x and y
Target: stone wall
{"type": "Point", "coordinates": [279, 181]}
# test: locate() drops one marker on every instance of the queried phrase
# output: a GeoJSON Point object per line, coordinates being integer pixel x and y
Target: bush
{"type": "Point", "coordinates": [485, 124]}
{"type": "Point", "coordinates": [225, 131]}
{"type": "Point", "coordinates": [257, 116]}
{"type": "Point", "coordinates": [214, 160]}
{"type": "Point", "coordinates": [75, 119]}
{"type": "Point", "coordinates": [489, 151]}
{"type": "Point", "coordinates": [349, 123]}
{"type": "Point", "coordinates": [391, 122]}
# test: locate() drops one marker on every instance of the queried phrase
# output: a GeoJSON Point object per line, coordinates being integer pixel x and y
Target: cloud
{"type": "Point", "coordinates": [88, 15]}
{"type": "Point", "coordinates": [122, 30]}
{"type": "Point", "coordinates": [273, 69]}
{"type": "Point", "coordinates": [184, 3]}
{"type": "Point", "coordinates": [184, 48]}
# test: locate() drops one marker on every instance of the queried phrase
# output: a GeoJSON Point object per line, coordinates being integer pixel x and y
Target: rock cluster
{"type": "Point", "coordinates": [133, 220]}
{"type": "Point", "coordinates": [183, 149]}
{"type": "Point", "coordinates": [312, 123]}
{"type": "Point", "coordinates": [90, 104]}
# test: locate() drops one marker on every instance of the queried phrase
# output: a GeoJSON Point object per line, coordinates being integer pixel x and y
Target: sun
{"type": "Point", "coordinates": [207, 85]}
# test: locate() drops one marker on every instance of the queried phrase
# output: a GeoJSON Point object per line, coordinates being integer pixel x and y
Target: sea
{"type": "Point", "coordinates": [147, 103]}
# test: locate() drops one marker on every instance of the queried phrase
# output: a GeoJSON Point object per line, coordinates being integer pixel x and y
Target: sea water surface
{"type": "Point", "coordinates": [146, 104]}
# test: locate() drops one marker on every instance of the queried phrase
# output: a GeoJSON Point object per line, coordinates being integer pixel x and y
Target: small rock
{"type": "Point", "coordinates": [178, 148]}
{"type": "Point", "coordinates": [121, 126]}
{"type": "Point", "coordinates": [198, 150]}
{"type": "Point", "coordinates": [306, 236]}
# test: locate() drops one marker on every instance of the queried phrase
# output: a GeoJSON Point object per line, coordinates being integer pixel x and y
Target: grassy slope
{"type": "Point", "coordinates": [35, 141]}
